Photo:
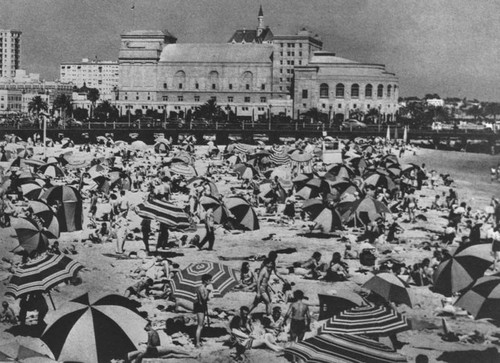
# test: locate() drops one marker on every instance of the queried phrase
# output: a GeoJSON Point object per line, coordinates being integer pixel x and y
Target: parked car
{"type": "Point", "coordinates": [353, 124]}
{"type": "Point", "coordinates": [74, 123]}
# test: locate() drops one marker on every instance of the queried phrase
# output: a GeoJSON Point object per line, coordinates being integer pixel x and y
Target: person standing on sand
{"type": "Point", "coordinates": [121, 231]}
{"type": "Point", "coordinates": [200, 307]}
{"type": "Point", "coordinates": [300, 318]}
{"type": "Point", "coordinates": [263, 294]}
{"type": "Point", "coordinates": [209, 228]}
{"type": "Point", "coordinates": [146, 230]}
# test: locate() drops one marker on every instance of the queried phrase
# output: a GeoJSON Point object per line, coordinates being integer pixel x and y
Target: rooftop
{"type": "Point", "coordinates": [215, 53]}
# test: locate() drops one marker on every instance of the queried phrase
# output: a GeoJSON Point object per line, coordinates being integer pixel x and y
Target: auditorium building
{"type": "Point", "coordinates": [255, 74]}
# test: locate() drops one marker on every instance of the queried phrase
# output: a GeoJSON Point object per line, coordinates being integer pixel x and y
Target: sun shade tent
{"type": "Point", "coordinates": [69, 214]}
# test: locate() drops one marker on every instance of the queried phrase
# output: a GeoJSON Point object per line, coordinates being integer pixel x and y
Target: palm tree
{"type": "Point", "coordinates": [315, 114]}
{"type": "Point", "coordinates": [63, 103]}
{"type": "Point", "coordinates": [475, 111]}
{"type": "Point", "coordinates": [492, 109]}
{"type": "Point", "coordinates": [209, 110]}
{"type": "Point", "coordinates": [36, 105]}
{"type": "Point", "coordinates": [93, 95]}
{"type": "Point", "coordinates": [104, 110]}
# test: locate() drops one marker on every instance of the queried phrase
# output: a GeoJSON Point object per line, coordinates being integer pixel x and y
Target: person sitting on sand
{"type": "Point", "coordinates": [309, 268]}
{"type": "Point", "coordinates": [338, 269]}
{"type": "Point", "coordinates": [101, 234]}
{"type": "Point", "coordinates": [449, 234]}
{"type": "Point", "coordinates": [7, 315]}
{"type": "Point", "coordinates": [248, 281]}
{"type": "Point", "coordinates": [393, 229]}
{"type": "Point", "coordinates": [298, 312]}
{"type": "Point", "coordinates": [138, 288]}
{"type": "Point", "coordinates": [275, 326]}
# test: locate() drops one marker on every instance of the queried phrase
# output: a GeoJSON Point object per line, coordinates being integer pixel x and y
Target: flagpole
{"type": "Point", "coordinates": [133, 14]}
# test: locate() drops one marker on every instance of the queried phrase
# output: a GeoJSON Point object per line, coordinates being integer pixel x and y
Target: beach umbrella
{"type": "Point", "coordinates": [357, 163]}
{"type": "Point", "coordinates": [69, 201]}
{"type": "Point", "coordinates": [343, 348]}
{"type": "Point", "coordinates": [234, 159]}
{"type": "Point", "coordinates": [49, 142]}
{"type": "Point", "coordinates": [221, 212]}
{"type": "Point", "coordinates": [52, 171]}
{"type": "Point", "coordinates": [243, 212]}
{"type": "Point", "coordinates": [183, 169]}
{"type": "Point", "coordinates": [32, 190]}
{"type": "Point", "coordinates": [279, 158]}
{"type": "Point", "coordinates": [138, 145]}
{"type": "Point", "coordinates": [101, 139]}
{"type": "Point", "coordinates": [120, 143]}
{"type": "Point", "coordinates": [119, 179]}
{"type": "Point", "coordinates": [5, 155]}
{"type": "Point", "coordinates": [300, 156]}
{"type": "Point", "coordinates": [378, 180]}
{"type": "Point", "coordinates": [324, 215]}
{"type": "Point", "coordinates": [482, 299]}
{"type": "Point", "coordinates": [466, 265]}
{"type": "Point", "coordinates": [314, 187]}
{"type": "Point", "coordinates": [25, 352]}
{"type": "Point", "coordinates": [345, 187]}
{"type": "Point", "coordinates": [95, 328]}
{"type": "Point", "coordinates": [202, 181]}
{"type": "Point", "coordinates": [330, 305]}
{"type": "Point", "coordinates": [162, 146]}
{"type": "Point", "coordinates": [35, 163]}
{"type": "Point", "coordinates": [96, 170]}
{"type": "Point", "coordinates": [246, 171]}
{"type": "Point", "coordinates": [339, 171]}
{"type": "Point", "coordinates": [186, 281]}
{"type": "Point", "coordinates": [365, 210]}
{"type": "Point", "coordinates": [282, 172]}
{"type": "Point", "coordinates": [240, 148]}
{"type": "Point", "coordinates": [30, 234]}
{"type": "Point", "coordinates": [41, 274]}
{"type": "Point", "coordinates": [171, 215]}
{"type": "Point", "coordinates": [47, 216]}
{"type": "Point", "coordinates": [390, 287]}
{"type": "Point", "coordinates": [268, 190]}
{"type": "Point", "coordinates": [367, 320]}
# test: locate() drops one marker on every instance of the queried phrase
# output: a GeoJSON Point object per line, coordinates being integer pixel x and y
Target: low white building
{"type": "Point", "coordinates": [436, 102]}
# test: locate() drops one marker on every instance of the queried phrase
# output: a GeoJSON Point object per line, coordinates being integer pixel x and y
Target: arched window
{"type": "Point", "coordinates": [324, 90]}
{"type": "Point", "coordinates": [380, 91]}
{"type": "Point", "coordinates": [247, 80]}
{"type": "Point", "coordinates": [179, 79]}
{"type": "Point", "coordinates": [395, 91]}
{"type": "Point", "coordinates": [368, 91]}
{"type": "Point", "coordinates": [339, 90]}
{"type": "Point", "coordinates": [213, 79]}
{"type": "Point", "coordinates": [355, 90]}
{"type": "Point", "coordinates": [389, 89]}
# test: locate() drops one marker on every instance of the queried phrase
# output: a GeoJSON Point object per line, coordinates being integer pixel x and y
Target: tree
{"type": "Point", "coordinates": [63, 103]}
{"type": "Point", "coordinates": [316, 115]}
{"type": "Point", "coordinates": [475, 111]}
{"type": "Point", "coordinates": [80, 113]}
{"type": "Point", "coordinates": [492, 109]}
{"type": "Point", "coordinates": [432, 96]}
{"type": "Point", "coordinates": [372, 115]}
{"type": "Point", "coordinates": [93, 95]}
{"type": "Point", "coordinates": [356, 114]}
{"type": "Point", "coordinates": [36, 105]}
{"type": "Point", "coordinates": [103, 111]}
{"type": "Point", "coordinates": [209, 110]}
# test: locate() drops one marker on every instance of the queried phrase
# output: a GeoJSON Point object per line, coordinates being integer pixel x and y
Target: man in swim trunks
{"type": "Point", "coordinates": [263, 294]}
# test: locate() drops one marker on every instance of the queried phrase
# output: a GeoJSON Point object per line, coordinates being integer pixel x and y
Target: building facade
{"type": "Point", "coordinates": [10, 52]}
{"type": "Point", "coordinates": [338, 86]}
{"type": "Point", "coordinates": [103, 75]}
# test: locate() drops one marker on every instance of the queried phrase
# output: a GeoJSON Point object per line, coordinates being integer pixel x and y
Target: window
{"type": "Point", "coordinates": [389, 89]}
{"type": "Point", "coordinates": [323, 90]}
{"type": "Point", "coordinates": [300, 53]}
{"type": "Point", "coordinates": [197, 85]}
{"type": "Point", "coordinates": [355, 90]}
{"type": "Point", "coordinates": [281, 70]}
{"type": "Point", "coordinates": [339, 90]}
{"type": "Point", "coordinates": [196, 98]}
{"type": "Point", "coordinates": [323, 105]}
{"type": "Point", "coordinates": [136, 97]}
{"type": "Point", "coordinates": [281, 54]}
{"type": "Point", "coordinates": [230, 86]}
{"type": "Point", "coordinates": [281, 62]}
{"type": "Point", "coordinates": [214, 86]}
{"type": "Point", "coordinates": [281, 79]}
{"type": "Point", "coordinates": [368, 91]}
{"type": "Point", "coordinates": [247, 86]}
{"type": "Point", "coordinates": [263, 86]}
{"type": "Point", "coordinates": [164, 85]}
{"type": "Point", "coordinates": [368, 106]}
{"type": "Point", "coordinates": [288, 53]}
{"type": "Point", "coordinates": [180, 85]}
{"type": "Point", "coordinates": [247, 99]}
{"type": "Point", "coordinates": [300, 45]}
{"type": "Point", "coordinates": [230, 99]}
{"type": "Point", "coordinates": [165, 98]}
{"type": "Point", "coordinates": [281, 88]}
{"type": "Point", "coordinates": [288, 71]}
{"type": "Point", "coordinates": [180, 98]}
{"type": "Point", "coordinates": [263, 99]}
{"type": "Point", "coordinates": [300, 62]}
{"type": "Point", "coordinates": [355, 106]}
{"type": "Point", "coordinates": [281, 45]}
{"type": "Point", "coordinates": [304, 105]}
{"type": "Point", "coordinates": [380, 91]}
{"type": "Point", "coordinates": [305, 93]}
{"type": "Point", "coordinates": [339, 105]}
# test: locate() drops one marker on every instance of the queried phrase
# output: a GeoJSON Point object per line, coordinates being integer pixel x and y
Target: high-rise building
{"type": "Point", "coordinates": [102, 75]}
{"type": "Point", "coordinates": [10, 52]}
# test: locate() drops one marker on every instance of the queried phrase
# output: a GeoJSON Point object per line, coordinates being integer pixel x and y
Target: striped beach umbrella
{"type": "Point", "coordinates": [183, 169]}
{"type": "Point", "coordinates": [378, 180]}
{"type": "Point", "coordinates": [186, 281]}
{"type": "Point", "coordinates": [167, 213]}
{"type": "Point", "coordinates": [268, 190]}
{"type": "Point", "coordinates": [482, 300]}
{"type": "Point", "coordinates": [95, 328]}
{"type": "Point", "coordinates": [339, 171]}
{"type": "Point", "coordinates": [46, 215]}
{"type": "Point", "coordinates": [31, 234]}
{"type": "Point", "coordinates": [343, 348]}
{"type": "Point", "coordinates": [203, 181]}
{"type": "Point", "coordinates": [279, 158]}
{"type": "Point", "coordinates": [243, 212]}
{"type": "Point", "coordinates": [390, 287]}
{"type": "Point", "coordinates": [42, 274]}
{"type": "Point", "coordinates": [246, 171]}
{"type": "Point", "coordinates": [32, 190]}
{"type": "Point", "coordinates": [220, 211]}
{"type": "Point", "coordinates": [368, 320]}
{"type": "Point", "coordinates": [52, 170]}
{"type": "Point", "coordinates": [461, 270]}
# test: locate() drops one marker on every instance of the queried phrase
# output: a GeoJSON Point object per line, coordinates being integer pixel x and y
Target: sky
{"type": "Point", "coordinates": [448, 47]}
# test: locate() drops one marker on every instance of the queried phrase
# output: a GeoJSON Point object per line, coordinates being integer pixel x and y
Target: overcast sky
{"type": "Point", "coordinates": [449, 47]}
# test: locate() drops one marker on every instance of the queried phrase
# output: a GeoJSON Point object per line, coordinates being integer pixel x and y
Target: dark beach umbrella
{"type": "Point", "coordinates": [390, 287]}
{"type": "Point", "coordinates": [46, 215]}
{"type": "Point", "coordinates": [314, 187]}
{"type": "Point", "coordinates": [246, 171]}
{"type": "Point", "coordinates": [269, 191]}
{"type": "Point", "coordinates": [367, 320]}
{"type": "Point", "coordinates": [162, 146]}
{"type": "Point", "coordinates": [42, 274]}
{"type": "Point", "coordinates": [69, 213]}
{"type": "Point", "coordinates": [167, 213]}
{"type": "Point", "coordinates": [186, 281]}
{"type": "Point", "coordinates": [325, 216]}
{"type": "Point", "coordinates": [220, 211]}
{"type": "Point", "coordinates": [482, 300]}
{"type": "Point", "coordinates": [365, 210]}
{"type": "Point", "coordinates": [52, 170]}
{"type": "Point", "coordinates": [243, 212]}
{"type": "Point", "coordinates": [32, 190]}
{"type": "Point", "coordinates": [203, 181]}
{"type": "Point", "coordinates": [378, 180]}
{"type": "Point", "coordinates": [95, 329]}
{"type": "Point", "coordinates": [344, 187]}
{"type": "Point", "coordinates": [339, 171]}
{"type": "Point", "coordinates": [461, 270]}
{"type": "Point", "coordinates": [31, 234]}
{"type": "Point", "coordinates": [343, 348]}
{"type": "Point", "coordinates": [331, 305]}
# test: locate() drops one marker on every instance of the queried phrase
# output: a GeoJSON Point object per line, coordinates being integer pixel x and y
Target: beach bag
{"type": "Point", "coordinates": [367, 258]}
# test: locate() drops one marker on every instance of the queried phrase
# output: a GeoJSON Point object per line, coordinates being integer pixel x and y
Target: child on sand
{"type": "Point", "coordinates": [300, 318]}
{"type": "Point", "coordinates": [200, 306]}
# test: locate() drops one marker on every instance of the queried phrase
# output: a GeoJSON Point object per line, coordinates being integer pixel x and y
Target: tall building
{"type": "Point", "coordinates": [261, 35]}
{"type": "Point", "coordinates": [102, 75]}
{"type": "Point", "coordinates": [10, 52]}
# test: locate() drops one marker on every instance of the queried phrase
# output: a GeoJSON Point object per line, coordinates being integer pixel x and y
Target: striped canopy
{"type": "Point", "coordinates": [186, 281]}
{"type": "Point", "coordinates": [371, 320]}
{"type": "Point", "coordinates": [171, 215]}
{"type": "Point", "coordinates": [279, 159]}
{"type": "Point", "coordinates": [183, 169]}
{"type": "Point", "coordinates": [42, 274]}
{"type": "Point", "coordinates": [343, 348]}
